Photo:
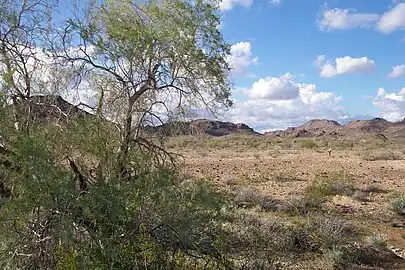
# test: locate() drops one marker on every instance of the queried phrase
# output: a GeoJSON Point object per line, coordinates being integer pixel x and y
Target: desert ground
{"type": "Point", "coordinates": [290, 180]}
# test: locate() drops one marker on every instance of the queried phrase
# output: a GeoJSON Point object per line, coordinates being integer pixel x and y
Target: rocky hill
{"type": "Point", "coordinates": [201, 126]}
{"type": "Point", "coordinates": [54, 109]}
{"type": "Point", "coordinates": [51, 108]}
{"type": "Point", "coordinates": [316, 127]}
{"type": "Point", "coordinates": [355, 128]}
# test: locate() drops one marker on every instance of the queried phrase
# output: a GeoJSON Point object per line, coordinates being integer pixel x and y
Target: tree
{"type": "Point", "coordinates": [149, 60]}
{"type": "Point", "coordinates": [81, 195]}
{"type": "Point", "coordinates": [25, 71]}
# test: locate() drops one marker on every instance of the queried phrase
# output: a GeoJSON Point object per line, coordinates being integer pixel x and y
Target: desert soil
{"type": "Point", "coordinates": [257, 167]}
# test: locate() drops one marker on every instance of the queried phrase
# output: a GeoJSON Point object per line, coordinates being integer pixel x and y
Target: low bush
{"type": "Point", "coordinates": [329, 231]}
{"type": "Point", "coordinates": [248, 197]}
{"type": "Point", "coordinates": [370, 252]}
{"type": "Point", "coordinates": [339, 183]}
{"type": "Point", "coordinates": [300, 206]}
{"type": "Point", "coordinates": [310, 144]}
{"type": "Point", "coordinates": [398, 204]}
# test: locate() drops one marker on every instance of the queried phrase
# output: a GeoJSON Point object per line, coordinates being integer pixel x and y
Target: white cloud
{"type": "Point", "coordinates": [336, 18]}
{"type": "Point", "coordinates": [50, 75]}
{"type": "Point", "coordinates": [397, 71]}
{"type": "Point", "coordinates": [343, 65]}
{"type": "Point", "coordinates": [391, 105]}
{"type": "Point", "coordinates": [279, 102]}
{"type": "Point", "coordinates": [241, 57]}
{"type": "Point", "coordinates": [229, 4]}
{"type": "Point", "coordinates": [272, 88]}
{"type": "Point", "coordinates": [275, 2]}
{"type": "Point", "coordinates": [393, 19]}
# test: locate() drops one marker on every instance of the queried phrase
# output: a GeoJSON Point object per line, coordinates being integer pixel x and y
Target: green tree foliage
{"type": "Point", "coordinates": [59, 214]}
{"type": "Point", "coordinates": [77, 193]}
{"type": "Point", "coordinates": [149, 60]}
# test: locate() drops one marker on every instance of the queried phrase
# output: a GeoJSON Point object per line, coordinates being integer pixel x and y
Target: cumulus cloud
{"type": "Point", "coordinates": [272, 88]}
{"type": "Point", "coordinates": [229, 4]}
{"type": "Point", "coordinates": [241, 57]}
{"type": "Point", "coordinates": [340, 19]}
{"type": "Point", "coordinates": [393, 19]}
{"type": "Point", "coordinates": [343, 65]}
{"type": "Point", "coordinates": [397, 71]}
{"type": "Point", "coordinates": [279, 102]}
{"type": "Point", "coordinates": [391, 105]}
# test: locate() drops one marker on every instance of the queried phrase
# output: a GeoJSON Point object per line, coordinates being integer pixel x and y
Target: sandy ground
{"type": "Point", "coordinates": [258, 168]}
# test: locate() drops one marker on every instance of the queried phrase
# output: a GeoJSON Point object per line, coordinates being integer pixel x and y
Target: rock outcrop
{"type": "Point", "coordinates": [201, 126]}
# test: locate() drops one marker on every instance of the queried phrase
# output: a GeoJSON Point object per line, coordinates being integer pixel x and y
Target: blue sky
{"type": "Point", "coordinates": [336, 55]}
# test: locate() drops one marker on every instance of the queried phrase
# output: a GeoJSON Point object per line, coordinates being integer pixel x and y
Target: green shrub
{"type": "Point", "coordinates": [152, 218]}
{"type": "Point", "coordinates": [310, 144]}
{"type": "Point", "coordinates": [370, 252]}
{"type": "Point", "coordinates": [338, 183]}
{"type": "Point", "coordinates": [300, 206]}
{"type": "Point", "coordinates": [327, 232]}
{"type": "Point", "coordinates": [398, 204]}
{"type": "Point", "coordinates": [251, 197]}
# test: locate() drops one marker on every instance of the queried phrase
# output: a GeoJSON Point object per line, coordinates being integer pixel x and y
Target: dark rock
{"type": "Point", "coordinates": [398, 224]}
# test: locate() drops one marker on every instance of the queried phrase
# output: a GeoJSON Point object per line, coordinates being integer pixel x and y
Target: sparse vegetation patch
{"type": "Point", "coordinates": [340, 183]}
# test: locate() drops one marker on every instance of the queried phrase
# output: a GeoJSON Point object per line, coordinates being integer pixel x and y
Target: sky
{"type": "Point", "coordinates": [297, 60]}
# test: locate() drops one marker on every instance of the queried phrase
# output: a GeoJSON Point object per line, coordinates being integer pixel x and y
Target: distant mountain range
{"type": "Point", "coordinates": [314, 128]}
{"type": "Point", "coordinates": [50, 108]}
{"type": "Point", "coordinates": [355, 128]}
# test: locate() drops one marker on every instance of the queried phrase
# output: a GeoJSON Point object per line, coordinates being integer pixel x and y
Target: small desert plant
{"type": "Point", "coordinates": [374, 188]}
{"type": "Point", "coordinates": [231, 180]}
{"type": "Point", "coordinates": [265, 241]}
{"type": "Point", "coordinates": [334, 184]}
{"type": "Point", "coordinates": [360, 195]}
{"type": "Point", "coordinates": [339, 257]}
{"type": "Point", "coordinates": [376, 241]}
{"type": "Point", "coordinates": [398, 205]}
{"type": "Point", "coordinates": [370, 252]}
{"type": "Point", "coordinates": [214, 143]}
{"type": "Point", "coordinates": [283, 177]}
{"type": "Point", "coordinates": [308, 144]}
{"type": "Point", "coordinates": [251, 197]}
{"type": "Point", "coordinates": [385, 155]}
{"type": "Point", "coordinates": [327, 232]}
{"type": "Point", "coordinates": [300, 206]}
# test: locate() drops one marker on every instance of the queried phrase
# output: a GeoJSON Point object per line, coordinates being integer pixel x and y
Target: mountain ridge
{"type": "Point", "coordinates": [55, 107]}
